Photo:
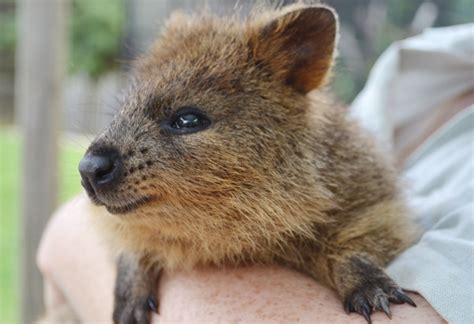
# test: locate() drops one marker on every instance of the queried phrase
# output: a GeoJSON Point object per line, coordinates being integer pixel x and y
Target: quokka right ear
{"type": "Point", "coordinates": [298, 46]}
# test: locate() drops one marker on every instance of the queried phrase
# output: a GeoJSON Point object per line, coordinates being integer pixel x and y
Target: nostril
{"type": "Point", "coordinates": [105, 168]}
{"type": "Point", "coordinates": [98, 170]}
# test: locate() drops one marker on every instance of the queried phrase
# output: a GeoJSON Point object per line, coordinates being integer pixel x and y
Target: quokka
{"type": "Point", "coordinates": [227, 150]}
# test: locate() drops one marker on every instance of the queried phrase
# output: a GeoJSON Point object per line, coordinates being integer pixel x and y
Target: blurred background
{"type": "Point", "coordinates": [63, 63]}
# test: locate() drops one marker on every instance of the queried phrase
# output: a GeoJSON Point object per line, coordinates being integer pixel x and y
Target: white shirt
{"type": "Point", "coordinates": [409, 81]}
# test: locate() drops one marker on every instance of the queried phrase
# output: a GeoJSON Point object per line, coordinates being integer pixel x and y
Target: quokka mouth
{"type": "Point", "coordinates": [121, 209]}
{"type": "Point", "coordinates": [131, 206]}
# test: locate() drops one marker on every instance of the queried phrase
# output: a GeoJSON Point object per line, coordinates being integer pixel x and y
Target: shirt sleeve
{"type": "Point", "coordinates": [440, 178]}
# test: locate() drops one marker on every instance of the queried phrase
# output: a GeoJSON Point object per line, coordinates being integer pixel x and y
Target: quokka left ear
{"type": "Point", "coordinates": [298, 46]}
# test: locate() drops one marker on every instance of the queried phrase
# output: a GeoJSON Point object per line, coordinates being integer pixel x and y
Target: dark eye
{"type": "Point", "coordinates": [188, 120]}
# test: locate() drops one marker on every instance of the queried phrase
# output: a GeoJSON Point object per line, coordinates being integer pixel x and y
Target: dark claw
{"type": "Point", "coordinates": [152, 304]}
{"type": "Point", "coordinates": [395, 300]}
{"type": "Point", "coordinates": [404, 298]}
{"type": "Point", "coordinates": [348, 307]}
{"type": "Point", "coordinates": [381, 303]}
{"type": "Point", "coordinates": [366, 311]}
{"type": "Point", "coordinates": [386, 308]}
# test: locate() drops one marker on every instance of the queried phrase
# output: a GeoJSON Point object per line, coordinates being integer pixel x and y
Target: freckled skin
{"type": "Point", "coordinates": [280, 176]}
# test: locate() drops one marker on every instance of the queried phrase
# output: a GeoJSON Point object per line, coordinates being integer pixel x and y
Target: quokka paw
{"type": "Point", "coordinates": [135, 311]}
{"type": "Point", "coordinates": [376, 294]}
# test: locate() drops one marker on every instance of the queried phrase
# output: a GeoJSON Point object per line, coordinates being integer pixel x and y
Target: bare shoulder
{"type": "Point", "coordinates": [260, 294]}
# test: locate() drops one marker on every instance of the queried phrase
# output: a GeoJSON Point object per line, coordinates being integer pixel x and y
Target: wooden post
{"type": "Point", "coordinates": [40, 67]}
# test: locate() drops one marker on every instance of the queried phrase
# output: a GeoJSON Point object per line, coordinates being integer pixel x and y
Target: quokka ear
{"type": "Point", "coordinates": [298, 46]}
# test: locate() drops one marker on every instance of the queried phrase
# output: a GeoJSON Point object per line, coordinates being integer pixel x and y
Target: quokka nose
{"type": "Point", "coordinates": [100, 170]}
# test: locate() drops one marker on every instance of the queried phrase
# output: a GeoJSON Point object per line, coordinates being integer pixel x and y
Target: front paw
{"type": "Point", "coordinates": [134, 310]}
{"type": "Point", "coordinates": [134, 291]}
{"type": "Point", "coordinates": [375, 292]}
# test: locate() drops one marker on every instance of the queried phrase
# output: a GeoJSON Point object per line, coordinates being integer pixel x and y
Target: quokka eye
{"type": "Point", "coordinates": [188, 120]}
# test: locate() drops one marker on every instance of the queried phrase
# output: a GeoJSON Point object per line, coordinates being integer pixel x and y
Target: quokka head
{"type": "Point", "coordinates": [216, 128]}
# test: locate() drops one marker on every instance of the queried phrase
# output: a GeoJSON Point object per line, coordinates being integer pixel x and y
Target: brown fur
{"type": "Point", "coordinates": [281, 176]}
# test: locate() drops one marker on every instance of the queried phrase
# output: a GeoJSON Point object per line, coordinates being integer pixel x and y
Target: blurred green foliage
{"type": "Point", "coordinates": [462, 12]}
{"type": "Point", "coordinates": [348, 82]}
{"type": "Point", "coordinates": [96, 30]}
{"type": "Point", "coordinates": [10, 164]}
{"type": "Point", "coordinates": [9, 226]}
{"type": "Point", "coordinates": [450, 12]}
{"type": "Point", "coordinates": [7, 26]}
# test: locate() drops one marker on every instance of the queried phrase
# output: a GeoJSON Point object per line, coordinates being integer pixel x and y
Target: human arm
{"type": "Point", "coordinates": [78, 271]}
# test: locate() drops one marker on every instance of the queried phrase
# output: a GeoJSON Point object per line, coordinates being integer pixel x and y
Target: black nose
{"type": "Point", "coordinates": [100, 171]}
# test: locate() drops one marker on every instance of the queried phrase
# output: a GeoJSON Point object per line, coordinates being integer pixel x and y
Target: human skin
{"type": "Point", "coordinates": [79, 272]}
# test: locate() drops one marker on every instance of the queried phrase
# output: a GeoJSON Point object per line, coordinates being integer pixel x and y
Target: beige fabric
{"type": "Point", "coordinates": [410, 84]}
